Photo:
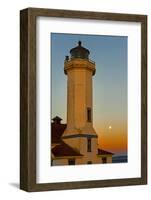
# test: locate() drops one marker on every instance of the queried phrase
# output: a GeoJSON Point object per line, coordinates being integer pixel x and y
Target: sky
{"type": "Point", "coordinates": [109, 84]}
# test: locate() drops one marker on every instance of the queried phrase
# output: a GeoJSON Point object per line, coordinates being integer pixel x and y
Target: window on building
{"type": "Point", "coordinates": [51, 162]}
{"type": "Point", "coordinates": [104, 160]}
{"type": "Point", "coordinates": [89, 162]}
{"type": "Point", "coordinates": [89, 118]}
{"type": "Point", "coordinates": [89, 145]}
{"type": "Point", "coordinates": [71, 162]}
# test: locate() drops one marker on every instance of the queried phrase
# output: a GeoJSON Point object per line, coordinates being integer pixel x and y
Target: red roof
{"type": "Point", "coordinates": [57, 131]}
{"type": "Point", "coordinates": [103, 152]}
{"type": "Point", "coordinates": [63, 149]}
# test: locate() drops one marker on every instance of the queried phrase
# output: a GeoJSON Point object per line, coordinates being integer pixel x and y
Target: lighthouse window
{"type": "Point", "coordinates": [104, 160]}
{"type": "Point", "coordinates": [89, 145]}
{"type": "Point", "coordinates": [89, 114]}
{"type": "Point", "coordinates": [51, 162]}
{"type": "Point", "coordinates": [71, 162]}
{"type": "Point", "coordinates": [89, 162]}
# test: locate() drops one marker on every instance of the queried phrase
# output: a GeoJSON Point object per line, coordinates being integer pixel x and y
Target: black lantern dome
{"type": "Point", "coordinates": [79, 52]}
{"type": "Point", "coordinates": [57, 120]}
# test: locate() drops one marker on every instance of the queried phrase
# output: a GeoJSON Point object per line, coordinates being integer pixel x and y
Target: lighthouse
{"type": "Point", "coordinates": [77, 142]}
{"type": "Point", "coordinates": [80, 70]}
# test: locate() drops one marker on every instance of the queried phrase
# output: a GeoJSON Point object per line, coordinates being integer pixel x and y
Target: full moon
{"type": "Point", "coordinates": [110, 127]}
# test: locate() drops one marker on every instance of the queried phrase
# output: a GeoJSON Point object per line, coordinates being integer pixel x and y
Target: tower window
{"type": "Point", "coordinates": [104, 160]}
{"type": "Point", "coordinates": [71, 162]}
{"type": "Point", "coordinates": [89, 118]}
{"type": "Point", "coordinates": [89, 162]}
{"type": "Point", "coordinates": [51, 162]}
{"type": "Point", "coordinates": [89, 145]}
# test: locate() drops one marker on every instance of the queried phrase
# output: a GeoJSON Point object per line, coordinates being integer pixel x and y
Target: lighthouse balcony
{"type": "Point", "coordinates": [75, 63]}
{"type": "Point", "coordinates": [67, 59]}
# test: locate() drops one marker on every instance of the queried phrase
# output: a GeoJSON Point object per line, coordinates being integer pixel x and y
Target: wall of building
{"type": "Point", "coordinates": [83, 160]}
{"type": "Point", "coordinates": [79, 96]}
{"type": "Point", "coordinates": [58, 162]}
{"type": "Point", "coordinates": [80, 144]}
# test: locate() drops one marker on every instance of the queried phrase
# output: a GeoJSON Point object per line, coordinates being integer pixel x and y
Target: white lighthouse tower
{"type": "Point", "coordinates": [80, 133]}
{"type": "Point", "coordinates": [77, 142]}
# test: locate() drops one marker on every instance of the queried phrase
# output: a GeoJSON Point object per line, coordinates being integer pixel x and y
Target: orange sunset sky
{"type": "Point", "coordinates": [112, 137]}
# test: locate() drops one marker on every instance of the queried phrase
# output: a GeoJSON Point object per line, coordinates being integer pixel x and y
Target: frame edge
{"type": "Point", "coordinates": [28, 100]}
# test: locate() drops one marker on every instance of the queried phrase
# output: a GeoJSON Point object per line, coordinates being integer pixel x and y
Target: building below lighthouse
{"type": "Point", "coordinates": [77, 141]}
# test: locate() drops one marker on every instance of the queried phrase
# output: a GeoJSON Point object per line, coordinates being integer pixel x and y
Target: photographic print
{"type": "Point", "coordinates": [89, 99]}
{"type": "Point", "coordinates": [83, 99]}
